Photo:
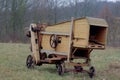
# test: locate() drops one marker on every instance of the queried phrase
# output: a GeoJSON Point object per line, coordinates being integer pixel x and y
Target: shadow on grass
{"type": "Point", "coordinates": [50, 70]}
{"type": "Point", "coordinates": [53, 70]}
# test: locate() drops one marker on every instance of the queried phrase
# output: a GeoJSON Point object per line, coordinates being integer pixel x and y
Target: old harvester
{"type": "Point", "coordinates": [61, 44]}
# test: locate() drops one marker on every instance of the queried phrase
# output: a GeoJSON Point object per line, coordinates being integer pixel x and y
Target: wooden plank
{"type": "Point", "coordinates": [53, 52]}
{"type": "Point", "coordinates": [80, 43]}
{"type": "Point", "coordinates": [63, 28]}
{"type": "Point", "coordinates": [53, 59]}
{"type": "Point", "coordinates": [81, 33]}
{"type": "Point", "coordinates": [35, 48]}
{"type": "Point", "coordinates": [62, 47]}
{"type": "Point", "coordinates": [70, 39]}
{"type": "Point", "coordinates": [57, 33]}
{"type": "Point", "coordinates": [46, 42]}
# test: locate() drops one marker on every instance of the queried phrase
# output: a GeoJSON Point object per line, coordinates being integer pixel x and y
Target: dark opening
{"type": "Point", "coordinates": [97, 35]}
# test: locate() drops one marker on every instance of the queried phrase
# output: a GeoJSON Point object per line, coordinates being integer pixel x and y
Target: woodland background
{"type": "Point", "coordinates": [16, 15]}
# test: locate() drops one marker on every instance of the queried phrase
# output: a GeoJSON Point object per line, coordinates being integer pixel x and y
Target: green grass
{"type": "Point", "coordinates": [13, 58]}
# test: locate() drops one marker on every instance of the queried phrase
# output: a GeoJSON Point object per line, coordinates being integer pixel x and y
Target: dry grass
{"type": "Point", "coordinates": [13, 56]}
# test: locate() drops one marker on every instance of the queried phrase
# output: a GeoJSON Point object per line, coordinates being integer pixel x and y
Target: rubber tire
{"type": "Point", "coordinates": [92, 72]}
{"type": "Point", "coordinates": [60, 69]}
{"type": "Point", "coordinates": [29, 62]}
{"type": "Point", "coordinates": [78, 68]}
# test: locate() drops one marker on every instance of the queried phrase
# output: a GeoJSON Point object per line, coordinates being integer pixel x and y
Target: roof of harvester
{"type": "Point", "coordinates": [91, 21]}
{"type": "Point", "coordinates": [97, 21]}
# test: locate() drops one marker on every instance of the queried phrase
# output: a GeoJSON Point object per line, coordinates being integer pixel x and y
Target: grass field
{"type": "Point", "coordinates": [13, 57]}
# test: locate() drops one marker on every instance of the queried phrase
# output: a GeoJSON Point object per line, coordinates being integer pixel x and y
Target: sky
{"type": "Point", "coordinates": [112, 0]}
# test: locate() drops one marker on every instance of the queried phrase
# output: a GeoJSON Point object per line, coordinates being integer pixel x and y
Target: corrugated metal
{"type": "Point", "coordinates": [97, 22]}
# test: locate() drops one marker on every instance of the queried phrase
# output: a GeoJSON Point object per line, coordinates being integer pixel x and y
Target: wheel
{"type": "Point", "coordinates": [29, 61]}
{"type": "Point", "coordinates": [52, 56]}
{"type": "Point", "coordinates": [43, 56]}
{"type": "Point", "coordinates": [53, 41]}
{"type": "Point", "coordinates": [92, 72]}
{"type": "Point", "coordinates": [60, 69]}
{"type": "Point", "coordinates": [78, 68]}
